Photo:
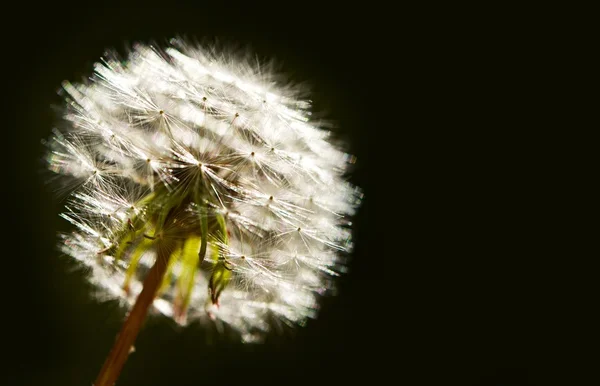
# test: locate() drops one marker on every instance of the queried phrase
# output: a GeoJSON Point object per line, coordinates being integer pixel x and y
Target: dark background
{"type": "Point", "coordinates": [443, 283]}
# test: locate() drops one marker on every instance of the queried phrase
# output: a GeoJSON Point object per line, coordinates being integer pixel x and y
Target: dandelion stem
{"type": "Point", "coordinates": [120, 351]}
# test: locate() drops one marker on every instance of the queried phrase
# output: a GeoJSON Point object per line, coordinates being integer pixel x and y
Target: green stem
{"type": "Point", "coordinates": [203, 229]}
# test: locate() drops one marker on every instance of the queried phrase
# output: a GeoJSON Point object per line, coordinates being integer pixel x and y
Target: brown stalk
{"type": "Point", "coordinates": [124, 342]}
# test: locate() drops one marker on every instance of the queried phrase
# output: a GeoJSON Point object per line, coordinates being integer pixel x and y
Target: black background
{"type": "Point", "coordinates": [443, 283]}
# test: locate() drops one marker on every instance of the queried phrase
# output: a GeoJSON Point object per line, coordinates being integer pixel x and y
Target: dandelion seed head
{"type": "Point", "coordinates": [213, 154]}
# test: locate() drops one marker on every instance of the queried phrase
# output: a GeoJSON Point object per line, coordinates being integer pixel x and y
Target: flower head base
{"type": "Point", "coordinates": [204, 157]}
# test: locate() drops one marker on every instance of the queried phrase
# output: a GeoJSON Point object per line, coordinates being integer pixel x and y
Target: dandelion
{"type": "Point", "coordinates": [200, 189]}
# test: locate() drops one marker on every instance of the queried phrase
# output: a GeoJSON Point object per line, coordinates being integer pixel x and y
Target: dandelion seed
{"type": "Point", "coordinates": [206, 171]}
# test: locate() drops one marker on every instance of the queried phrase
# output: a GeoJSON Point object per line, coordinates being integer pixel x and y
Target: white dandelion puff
{"type": "Point", "coordinates": [203, 161]}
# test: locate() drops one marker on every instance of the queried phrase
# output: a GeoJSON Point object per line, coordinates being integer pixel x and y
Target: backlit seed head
{"type": "Point", "coordinates": [157, 148]}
